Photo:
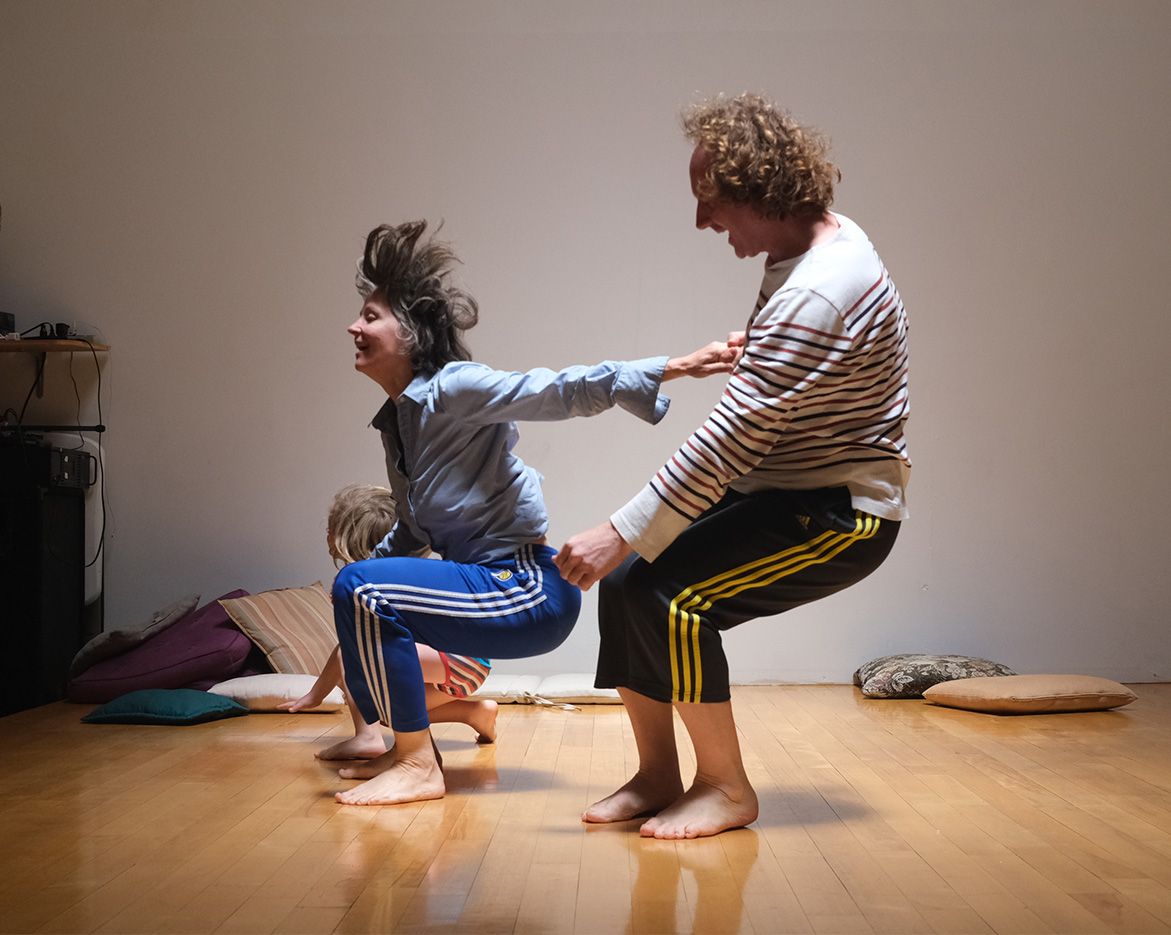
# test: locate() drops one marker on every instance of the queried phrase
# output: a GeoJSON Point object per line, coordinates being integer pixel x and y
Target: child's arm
{"type": "Point", "coordinates": [326, 682]}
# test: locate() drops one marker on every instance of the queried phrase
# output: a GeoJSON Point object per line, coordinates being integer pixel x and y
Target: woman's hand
{"type": "Point", "coordinates": [737, 340]}
{"type": "Point", "coordinates": [716, 357]}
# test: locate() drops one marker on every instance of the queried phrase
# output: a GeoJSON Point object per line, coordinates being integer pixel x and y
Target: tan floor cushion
{"type": "Point", "coordinates": [1031, 694]}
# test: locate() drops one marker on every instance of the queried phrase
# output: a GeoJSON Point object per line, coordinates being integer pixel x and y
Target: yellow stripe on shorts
{"type": "Point", "coordinates": [688, 603]}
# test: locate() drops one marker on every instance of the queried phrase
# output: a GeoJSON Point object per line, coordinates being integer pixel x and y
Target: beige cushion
{"type": "Point", "coordinates": [266, 692]}
{"type": "Point", "coordinates": [293, 626]}
{"type": "Point", "coordinates": [1030, 694]}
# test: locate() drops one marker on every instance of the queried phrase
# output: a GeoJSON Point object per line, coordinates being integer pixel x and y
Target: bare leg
{"type": "Point", "coordinates": [431, 664]}
{"type": "Point", "coordinates": [721, 796]}
{"type": "Point", "coordinates": [366, 743]}
{"type": "Point", "coordinates": [412, 776]}
{"type": "Point", "coordinates": [657, 782]}
{"type": "Point", "coordinates": [478, 713]}
{"type": "Point", "coordinates": [437, 703]}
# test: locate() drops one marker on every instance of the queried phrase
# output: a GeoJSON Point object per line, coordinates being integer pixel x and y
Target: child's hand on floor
{"type": "Point", "coordinates": [311, 700]}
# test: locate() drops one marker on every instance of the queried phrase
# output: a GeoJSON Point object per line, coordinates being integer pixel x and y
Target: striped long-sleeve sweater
{"type": "Point", "coordinates": [819, 398]}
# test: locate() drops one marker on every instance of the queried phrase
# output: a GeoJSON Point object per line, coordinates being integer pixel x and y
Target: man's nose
{"type": "Point", "coordinates": [702, 216]}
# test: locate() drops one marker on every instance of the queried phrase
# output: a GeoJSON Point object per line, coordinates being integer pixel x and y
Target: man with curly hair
{"type": "Point", "coordinates": [792, 489]}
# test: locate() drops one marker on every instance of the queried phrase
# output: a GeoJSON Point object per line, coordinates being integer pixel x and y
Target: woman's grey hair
{"type": "Point", "coordinates": [414, 278]}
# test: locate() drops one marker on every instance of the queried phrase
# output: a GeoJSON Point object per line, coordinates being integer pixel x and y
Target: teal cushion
{"type": "Point", "coordinates": [165, 706]}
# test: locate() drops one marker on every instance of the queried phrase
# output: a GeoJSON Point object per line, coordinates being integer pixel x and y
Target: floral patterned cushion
{"type": "Point", "coordinates": [910, 674]}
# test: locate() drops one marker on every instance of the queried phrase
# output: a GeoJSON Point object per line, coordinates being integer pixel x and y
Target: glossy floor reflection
{"type": "Point", "coordinates": [875, 817]}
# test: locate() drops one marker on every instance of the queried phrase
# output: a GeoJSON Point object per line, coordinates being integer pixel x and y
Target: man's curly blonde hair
{"type": "Point", "coordinates": [760, 155]}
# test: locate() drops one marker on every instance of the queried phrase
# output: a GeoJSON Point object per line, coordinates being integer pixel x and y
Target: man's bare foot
{"type": "Point", "coordinates": [356, 748]}
{"type": "Point", "coordinates": [406, 780]}
{"type": "Point", "coordinates": [483, 719]}
{"type": "Point", "coordinates": [702, 811]}
{"type": "Point", "coordinates": [640, 797]}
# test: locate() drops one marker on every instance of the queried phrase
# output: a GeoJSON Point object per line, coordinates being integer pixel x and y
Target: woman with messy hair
{"type": "Point", "coordinates": [448, 432]}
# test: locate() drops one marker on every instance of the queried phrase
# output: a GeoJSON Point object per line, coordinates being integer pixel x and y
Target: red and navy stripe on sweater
{"type": "Point", "coordinates": [819, 398]}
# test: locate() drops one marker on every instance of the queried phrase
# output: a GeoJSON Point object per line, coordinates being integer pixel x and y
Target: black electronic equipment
{"type": "Point", "coordinates": [42, 570]}
{"type": "Point", "coordinates": [29, 462]}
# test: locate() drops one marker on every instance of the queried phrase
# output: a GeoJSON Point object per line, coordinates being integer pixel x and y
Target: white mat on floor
{"type": "Point", "coordinates": [568, 688]}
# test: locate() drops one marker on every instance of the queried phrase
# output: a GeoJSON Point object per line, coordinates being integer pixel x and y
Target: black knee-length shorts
{"type": "Point", "coordinates": [751, 555]}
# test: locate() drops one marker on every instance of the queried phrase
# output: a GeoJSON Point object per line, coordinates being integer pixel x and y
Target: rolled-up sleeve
{"type": "Point", "coordinates": [648, 523]}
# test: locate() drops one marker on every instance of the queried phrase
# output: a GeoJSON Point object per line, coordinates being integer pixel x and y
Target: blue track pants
{"type": "Point", "coordinates": [505, 609]}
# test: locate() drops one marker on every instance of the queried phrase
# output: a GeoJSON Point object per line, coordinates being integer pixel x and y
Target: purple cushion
{"type": "Point", "coordinates": [204, 646]}
{"type": "Point", "coordinates": [255, 664]}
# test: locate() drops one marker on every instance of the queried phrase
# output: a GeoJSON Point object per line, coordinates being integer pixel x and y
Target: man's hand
{"type": "Point", "coordinates": [591, 555]}
{"type": "Point", "coordinates": [717, 357]}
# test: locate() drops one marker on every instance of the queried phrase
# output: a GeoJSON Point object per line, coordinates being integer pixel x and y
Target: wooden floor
{"type": "Point", "coordinates": [877, 816]}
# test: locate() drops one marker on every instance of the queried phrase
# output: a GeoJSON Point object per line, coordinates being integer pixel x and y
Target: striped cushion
{"type": "Point", "coordinates": [293, 626]}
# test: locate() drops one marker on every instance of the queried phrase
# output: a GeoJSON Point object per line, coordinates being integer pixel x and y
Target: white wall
{"type": "Point", "coordinates": [196, 179]}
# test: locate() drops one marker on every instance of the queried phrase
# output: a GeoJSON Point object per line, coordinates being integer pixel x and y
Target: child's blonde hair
{"type": "Point", "coordinates": [359, 518]}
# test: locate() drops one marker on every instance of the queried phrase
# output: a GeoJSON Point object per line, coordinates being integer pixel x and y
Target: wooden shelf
{"type": "Point", "coordinates": [44, 346]}
{"type": "Point", "coordinates": [49, 346]}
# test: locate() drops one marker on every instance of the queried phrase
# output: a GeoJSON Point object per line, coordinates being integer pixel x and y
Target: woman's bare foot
{"type": "Point", "coordinates": [406, 779]}
{"type": "Point", "coordinates": [380, 764]}
{"type": "Point", "coordinates": [356, 748]}
{"type": "Point", "coordinates": [641, 796]}
{"type": "Point", "coordinates": [375, 766]}
{"type": "Point", "coordinates": [702, 811]}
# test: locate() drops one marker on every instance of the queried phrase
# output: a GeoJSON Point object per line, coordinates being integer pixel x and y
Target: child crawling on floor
{"type": "Point", "coordinates": [360, 518]}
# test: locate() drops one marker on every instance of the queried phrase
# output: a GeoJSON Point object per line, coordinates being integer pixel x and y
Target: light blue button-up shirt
{"type": "Point", "coordinates": [458, 487]}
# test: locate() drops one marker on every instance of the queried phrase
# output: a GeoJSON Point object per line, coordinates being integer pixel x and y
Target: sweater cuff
{"type": "Point", "coordinates": [647, 524]}
{"type": "Point", "coordinates": [637, 388]}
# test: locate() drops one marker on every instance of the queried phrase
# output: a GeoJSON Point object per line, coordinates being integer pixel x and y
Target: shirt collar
{"type": "Point", "coordinates": [416, 392]}
{"type": "Point", "coordinates": [417, 389]}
